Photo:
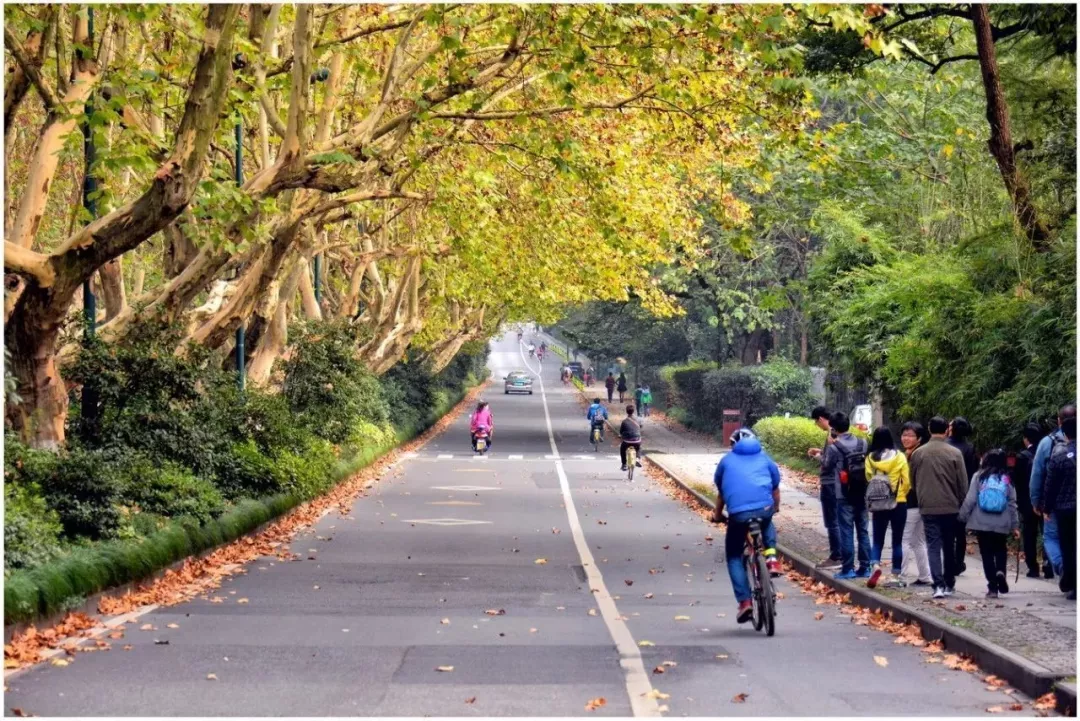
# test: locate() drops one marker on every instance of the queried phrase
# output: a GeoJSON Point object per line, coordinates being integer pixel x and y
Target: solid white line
{"type": "Point", "coordinates": [638, 684]}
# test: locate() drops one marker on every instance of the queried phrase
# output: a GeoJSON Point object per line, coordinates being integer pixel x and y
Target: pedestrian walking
{"type": "Point", "coordinates": [828, 488]}
{"type": "Point", "coordinates": [940, 482]}
{"type": "Point", "coordinates": [1061, 502]}
{"type": "Point", "coordinates": [912, 435]}
{"type": "Point", "coordinates": [845, 458]}
{"type": "Point", "coordinates": [622, 387]}
{"type": "Point", "coordinates": [1030, 521]}
{"type": "Point", "coordinates": [1051, 542]}
{"type": "Point", "coordinates": [638, 394]}
{"type": "Point", "coordinates": [990, 510]}
{"type": "Point", "coordinates": [590, 374]}
{"type": "Point", "coordinates": [887, 470]}
{"type": "Point", "coordinates": [609, 383]}
{"type": "Point", "coordinates": [646, 399]}
{"type": "Point", "coordinates": [959, 432]}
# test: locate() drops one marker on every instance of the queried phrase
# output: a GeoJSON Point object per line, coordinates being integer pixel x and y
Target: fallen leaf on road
{"type": "Point", "coordinates": [596, 703]}
{"type": "Point", "coordinates": [669, 664]}
{"type": "Point", "coordinates": [128, 647]}
{"type": "Point", "coordinates": [881, 661]}
{"type": "Point", "coordinates": [444, 669]}
{"type": "Point", "coordinates": [739, 698]}
{"type": "Point", "coordinates": [147, 627]}
{"type": "Point", "coordinates": [244, 600]}
{"type": "Point", "coordinates": [1046, 702]}
{"type": "Point", "coordinates": [532, 630]}
{"type": "Point", "coordinates": [667, 547]}
{"type": "Point", "coordinates": [657, 694]}
{"type": "Point", "coordinates": [495, 612]}
{"type": "Point", "coordinates": [648, 595]}
{"type": "Point", "coordinates": [116, 634]}
{"type": "Point", "coordinates": [780, 595]}
{"type": "Point", "coordinates": [445, 622]}
{"type": "Point", "coordinates": [471, 699]}
{"type": "Point", "coordinates": [217, 599]}
{"type": "Point", "coordinates": [993, 681]}
{"type": "Point", "coordinates": [174, 625]}
{"type": "Point", "coordinates": [592, 611]}
{"type": "Point", "coordinates": [818, 616]}
{"type": "Point", "coordinates": [540, 561]}
{"type": "Point", "coordinates": [560, 608]}
{"type": "Point", "coordinates": [628, 582]}
{"type": "Point", "coordinates": [645, 643]}
{"type": "Point", "coordinates": [659, 669]}
{"type": "Point", "coordinates": [960, 607]}
{"type": "Point", "coordinates": [211, 677]}
{"type": "Point", "coordinates": [555, 530]}
{"type": "Point", "coordinates": [995, 709]}
{"type": "Point", "coordinates": [20, 713]}
{"type": "Point", "coordinates": [59, 662]}
{"type": "Point", "coordinates": [682, 618]}
{"type": "Point", "coordinates": [721, 655]}
{"type": "Point", "coordinates": [1016, 707]}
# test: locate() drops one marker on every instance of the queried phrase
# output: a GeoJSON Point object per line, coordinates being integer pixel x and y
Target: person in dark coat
{"type": "Point", "coordinates": [609, 383]}
{"type": "Point", "coordinates": [1060, 500]}
{"type": "Point", "coordinates": [959, 432]}
{"type": "Point", "coordinates": [1030, 521]}
{"type": "Point", "coordinates": [622, 387]}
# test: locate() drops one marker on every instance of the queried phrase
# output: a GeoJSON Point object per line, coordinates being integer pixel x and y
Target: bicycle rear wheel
{"type": "Point", "coordinates": [767, 609]}
{"type": "Point", "coordinates": [631, 461]}
{"type": "Point", "coordinates": [755, 590]}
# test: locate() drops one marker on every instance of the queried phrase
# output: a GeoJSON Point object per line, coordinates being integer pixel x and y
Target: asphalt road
{"type": "Point", "coordinates": [402, 587]}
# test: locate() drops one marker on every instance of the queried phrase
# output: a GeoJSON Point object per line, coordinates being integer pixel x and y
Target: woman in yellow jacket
{"type": "Point", "coordinates": [884, 458]}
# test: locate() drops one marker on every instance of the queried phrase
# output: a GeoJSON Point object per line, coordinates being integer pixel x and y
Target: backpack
{"type": "Point", "coordinates": [853, 472]}
{"type": "Point", "coordinates": [994, 493]}
{"type": "Point", "coordinates": [880, 495]}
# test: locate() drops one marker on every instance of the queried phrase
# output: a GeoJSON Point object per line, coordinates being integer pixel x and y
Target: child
{"type": "Point", "coordinates": [646, 400]}
{"type": "Point", "coordinates": [990, 510]}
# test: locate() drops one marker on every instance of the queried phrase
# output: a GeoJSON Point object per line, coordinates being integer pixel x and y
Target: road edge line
{"type": "Point", "coordinates": [638, 684]}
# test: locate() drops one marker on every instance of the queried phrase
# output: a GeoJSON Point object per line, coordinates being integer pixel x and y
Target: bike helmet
{"type": "Point", "coordinates": [740, 434]}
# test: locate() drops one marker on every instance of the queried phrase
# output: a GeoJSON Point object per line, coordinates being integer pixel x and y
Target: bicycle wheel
{"type": "Point", "coordinates": [755, 589]}
{"type": "Point", "coordinates": [767, 609]}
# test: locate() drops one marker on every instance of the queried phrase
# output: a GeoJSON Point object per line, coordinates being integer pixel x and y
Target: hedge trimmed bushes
{"type": "Point", "coordinates": [787, 439]}
{"type": "Point", "coordinates": [702, 392]}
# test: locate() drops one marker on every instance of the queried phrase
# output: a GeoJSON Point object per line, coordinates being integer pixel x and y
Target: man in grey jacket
{"type": "Point", "coordinates": [940, 481]}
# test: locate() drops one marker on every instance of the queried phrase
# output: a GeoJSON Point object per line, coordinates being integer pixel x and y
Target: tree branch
{"type": "Point", "coordinates": [33, 72]}
{"type": "Point", "coordinates": [29, 264]}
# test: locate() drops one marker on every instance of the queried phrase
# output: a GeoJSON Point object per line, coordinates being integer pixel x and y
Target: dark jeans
{"type": "Point", "coordinates": [1066, 524]}
{"type": "Point", "coordinates": [1030, 524]}
{"type": "Point", "coordinates": [645, 410]}
{"type": "Point", "coordinates": [995, 556]}
{"type": "Point", "coordinates": [852, 521]}
{"type": "Point", "coordinates": [881, 521]}
{"type": "Point", "coordinates": [626, 444]}
{"type": "Point", "coordinates": [610, 391]}
{"type": "Point", "coordinates": [828, 514]}
{"type": "Point", "coordinates": [941, 548]}
{"type": "Point", "coordinates": [637, 408]}
{"type": "Point", "coordinates": [735, 541]}
{"type": "Point", "coordinates": [960, 544]}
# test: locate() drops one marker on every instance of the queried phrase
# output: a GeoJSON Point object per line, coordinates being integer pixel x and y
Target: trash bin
{"type": "Point", "coordinates": [732, 422]}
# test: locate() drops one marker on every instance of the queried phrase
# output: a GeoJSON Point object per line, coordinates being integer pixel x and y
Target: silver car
{"type": "Point", "coordinates": [518, 382]}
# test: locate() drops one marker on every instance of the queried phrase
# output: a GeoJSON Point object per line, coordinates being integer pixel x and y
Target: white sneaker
{"type": "Point", "coordinates": [939, 592]}
{"type": "Point", "coordinates": [949, 591]}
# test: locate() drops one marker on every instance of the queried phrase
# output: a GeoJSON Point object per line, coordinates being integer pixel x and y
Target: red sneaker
{"type": "Point", "coordinates": [773, 564]}
{"type": "Point", "coordinates": [746, 610]}
{"type": "Point", "coordinates": [874, 577]}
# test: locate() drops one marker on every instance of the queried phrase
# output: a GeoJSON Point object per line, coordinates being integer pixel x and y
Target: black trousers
{"type": "Point", "coordinates": [941, 547]}
{"type": "Point", "coordinates": [961, 544]}
{"type": "Point", "coordinates": [1066, 523]}
{"type": "Point", "coordinates": [1030, 525]}
{"type": "Point", "coordinates": [994, 549]}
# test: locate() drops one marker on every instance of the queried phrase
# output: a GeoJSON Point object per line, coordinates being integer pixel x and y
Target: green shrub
{"type": "Point", "coordinates": [166, 489]}
{"type": "Point", "coordinates": [31, 529]}
{"type": "Point", "coordinates": [782, 387]}
{"type": "Point", "coordinates": [787, 439]}
{"type": "Point", "coordinates": [327, 388]}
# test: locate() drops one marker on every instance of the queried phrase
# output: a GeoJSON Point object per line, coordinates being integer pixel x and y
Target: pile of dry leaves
{"type": "Point", "coordinates": [201, 574]}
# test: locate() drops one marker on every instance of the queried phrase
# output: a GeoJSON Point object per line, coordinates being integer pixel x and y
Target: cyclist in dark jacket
{"type": "Point", "coordinates": [630, 432]}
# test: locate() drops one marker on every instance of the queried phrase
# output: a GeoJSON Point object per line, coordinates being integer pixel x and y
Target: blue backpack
{"type": "Point", "coordinates": [994, 493]}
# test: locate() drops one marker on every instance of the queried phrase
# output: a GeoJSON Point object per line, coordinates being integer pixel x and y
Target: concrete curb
{"type": "Point", "coordinates": [1021, 673]}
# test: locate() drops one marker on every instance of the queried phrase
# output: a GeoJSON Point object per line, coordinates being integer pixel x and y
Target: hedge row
{"type": "Point", "coordinates": [66, 582]}
{"type": "Point", "coordinates": [787, 440]}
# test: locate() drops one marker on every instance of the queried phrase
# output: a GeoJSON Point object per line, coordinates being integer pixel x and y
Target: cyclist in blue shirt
{"type": "Point", "coordinates": [596, 415]}
{"type": "Point", "coordinates": [748, 483]}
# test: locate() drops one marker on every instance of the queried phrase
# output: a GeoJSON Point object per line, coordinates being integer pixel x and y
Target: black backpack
{"type": "Point", "coordinates": [853, 473]}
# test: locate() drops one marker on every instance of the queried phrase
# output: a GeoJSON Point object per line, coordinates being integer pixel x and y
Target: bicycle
{"type": "Point", "coordinates": [764, 596]}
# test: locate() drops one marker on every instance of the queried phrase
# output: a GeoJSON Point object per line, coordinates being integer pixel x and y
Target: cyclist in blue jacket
{"type": "Point", "coordinates": [596, 415]}
{"type": "Point", "coordinates": [748, 483]}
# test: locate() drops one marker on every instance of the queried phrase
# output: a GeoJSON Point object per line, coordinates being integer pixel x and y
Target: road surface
{"type": "Point", "coordinates": [402, 587]}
